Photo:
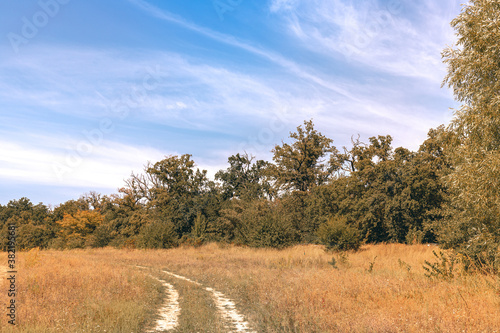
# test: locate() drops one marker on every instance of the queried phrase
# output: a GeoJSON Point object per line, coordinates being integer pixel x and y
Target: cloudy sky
{"type": "Point", "coordinates": [92, 90]}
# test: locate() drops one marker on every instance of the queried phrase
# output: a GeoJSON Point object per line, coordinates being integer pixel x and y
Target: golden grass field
{"type": "Point", "coordinates": [381, 288]}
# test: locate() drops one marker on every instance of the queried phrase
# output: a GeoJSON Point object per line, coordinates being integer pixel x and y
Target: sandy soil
{"type": "Point", "coordinates": [169, 313]}
{"type": "Point", "coordinates": [226, 307]}
{"type": "Point", "coordinates": [170, 310]}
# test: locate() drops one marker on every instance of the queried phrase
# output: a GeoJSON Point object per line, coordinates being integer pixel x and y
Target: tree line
{"type": "Point", "coordinates": [383, 194]}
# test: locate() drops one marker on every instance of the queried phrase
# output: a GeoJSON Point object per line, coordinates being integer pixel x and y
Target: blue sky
{"type": "Point", "coordinates": [92, 90]}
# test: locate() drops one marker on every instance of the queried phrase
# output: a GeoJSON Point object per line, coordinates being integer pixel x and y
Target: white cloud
{"type": "Point", "coordinates": [106, 166]}
{"type": "Point", "coordinates": [382, 37]}
{"type": "Point", "coordinates": [280, 5]}
{"type": "Point", "coordinates": [85, 84]}
{"type": "Point", "coordinates": [202, 97]}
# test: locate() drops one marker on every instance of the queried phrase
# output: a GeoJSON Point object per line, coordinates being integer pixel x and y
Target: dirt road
{"type": "Point", "coordinates": [169, 313]}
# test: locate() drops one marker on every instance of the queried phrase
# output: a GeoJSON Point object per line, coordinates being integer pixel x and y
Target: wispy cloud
{"type": "Point", "coordinates": [107, 167]}
{"type": "Point", "coordinates": [274, 57]}
{"type": "Point", "coordinates": [380, 35]}
{"type": "Point", "coordinates": [177, 100]}
{"type": "Point", "coordinates": [199, 97]}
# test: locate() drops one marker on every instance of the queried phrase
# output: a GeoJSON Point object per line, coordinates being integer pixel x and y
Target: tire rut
{"type": "Point", "coordinates": [170, 310]}
{"type": "Point", "coordinates": [225, 306]}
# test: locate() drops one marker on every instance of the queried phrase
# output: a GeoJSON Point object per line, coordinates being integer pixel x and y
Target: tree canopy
{"type": "Point", "coordinates": [300, 165]}
{"type": "Point", "coordinates": [474, 141]}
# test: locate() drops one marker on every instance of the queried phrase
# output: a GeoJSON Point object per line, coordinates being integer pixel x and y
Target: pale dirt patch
{"type": "Point", "coordinates": [169, 312]}
{"type": "Point", "coordinates": [226, 307]}
{"type": "Point", "coordinates": [182, 278]}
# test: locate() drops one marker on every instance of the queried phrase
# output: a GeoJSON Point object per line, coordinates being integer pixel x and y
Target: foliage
{"type": "Point", "coordinates": [443, 268]}
{"type": "Point", "coordinates": [338, 235]}
{"type": "Point", "coordinates": [386, 194]}
{"type": "Point", "coordinates": [259, 223]}
{"type": "Point", "coordinates": [244, 179]}
{"type": "Point", "coordinates": [390, 193]}
{"type": "Point", "coordinates": [473, 226]}
{"type": "Point", "coordinates": [34, 224]}
{"type": "Point", "coordinates": [174, 189]}
{"type": "Point", "coordinates": [299, 165]}
{"type": "Point", "coordinates": [77, 229]}
{"type": "Point", "coordinates": [158, 234]}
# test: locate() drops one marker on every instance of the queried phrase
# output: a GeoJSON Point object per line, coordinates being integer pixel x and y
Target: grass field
{"type": "Point", "coordinates": [381, 288]}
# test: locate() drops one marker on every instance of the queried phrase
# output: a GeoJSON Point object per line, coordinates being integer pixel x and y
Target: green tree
{"type": "Point", "coordinates": [389, 194]}
{"type": "Point", "coordinates": [35, 226]}
{"type": "Point", "coordinates": [176, 176]}
{"type": "Point", "coordinates": [474, 75]}
{"type": "Point", "coordinates": [366, 186]}
{"type": "Point", "coordinates": [300, 166]}
{"type": "Point", "coordinates": [244, 178]}
{"type": "Point", "coordinates": [174, 190]}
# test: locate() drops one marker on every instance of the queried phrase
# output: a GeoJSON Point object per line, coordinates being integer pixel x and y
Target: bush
{"type": "Point", "coordinates": [261, 223]}
{"type": "Point", "coordinates": [481, 253]}
{"type": "Point", "coordinates": [273, 231]}
{"type": "Point", "coordinates": [336, 234]}
{"type": "Point", "coordinates": [158, 234]}
{"type": "Point", "coordinates": [477, 246]}
{"type": "Point", "coordinates": [444, 267]}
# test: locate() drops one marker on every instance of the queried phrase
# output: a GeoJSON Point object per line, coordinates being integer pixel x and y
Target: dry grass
{"type": "Point", "coordinates": [68, 292]}
{"type": "Point", "coordinates": [379, 289]}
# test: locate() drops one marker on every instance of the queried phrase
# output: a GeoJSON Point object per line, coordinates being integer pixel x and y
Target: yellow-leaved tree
{"type": "Point", "coordinates": [76, 229]}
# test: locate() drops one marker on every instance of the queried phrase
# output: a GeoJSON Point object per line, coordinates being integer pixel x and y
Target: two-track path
{"type": "Point", "coordinates": [169, 313]}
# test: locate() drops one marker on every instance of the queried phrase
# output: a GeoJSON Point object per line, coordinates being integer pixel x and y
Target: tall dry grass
{"type": "Point", "coordinates": [381, 288]}
{"type": "Point", "coordinates": [66, 291]}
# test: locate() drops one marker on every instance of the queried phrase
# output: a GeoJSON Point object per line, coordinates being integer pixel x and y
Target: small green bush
{"type": "Point", "coordinates": [444, 267]}
{"type": "Point", "coordinates": [336, 234]}
{"type": "Point", "coordinates": [158, 234]}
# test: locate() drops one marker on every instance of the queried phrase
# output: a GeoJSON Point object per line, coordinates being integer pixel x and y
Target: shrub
{"type": "Point", "coordinates": [260, 223]}
{"type": "Point", "coordinates": [158, 234]}
{"type": "Point", "coordinates": [336, 234]}
{"type": "Point", "coordinates": [443, 268]}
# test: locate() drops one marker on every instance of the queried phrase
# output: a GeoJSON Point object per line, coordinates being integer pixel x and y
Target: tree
{"type": "Point", "coordinates": [474, 75]}
{"type": "Point", "coordinates": [362, 155]}
{"type": "Point", "coordinates": [176, 176]}
{"type": "Point", "coordinates": [367, 185]}
{"type": "Point", "coordinates": [173, 189]}
{"type": "Point", "coordinates": [70, 207]}
{"type": "Point", "coordinates": [299, 165]}
{"type": "Point", "coordinates": [389, 194]}
{"type": "Point", "coordinates": [35, 226]}
{"type": "Point", "coordinates": [76, 229]}
{"type": "Point", "coordinates": [244, 179]}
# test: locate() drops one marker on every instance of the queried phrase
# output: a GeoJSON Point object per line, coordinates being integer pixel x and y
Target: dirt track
{"type": "Point", "coordinates": [170, 311]}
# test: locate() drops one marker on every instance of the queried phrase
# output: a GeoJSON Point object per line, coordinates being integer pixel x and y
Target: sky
{"type": "Point", "coordinates": [91, 91]}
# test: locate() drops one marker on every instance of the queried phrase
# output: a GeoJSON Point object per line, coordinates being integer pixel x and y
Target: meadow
{"type": "Point", "coordinates": [381, 288]}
